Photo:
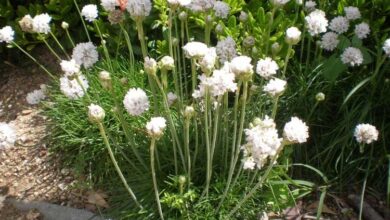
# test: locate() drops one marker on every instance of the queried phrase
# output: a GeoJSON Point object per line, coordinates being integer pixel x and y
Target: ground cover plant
{"type": "Point", "coordinates": [201, 115]}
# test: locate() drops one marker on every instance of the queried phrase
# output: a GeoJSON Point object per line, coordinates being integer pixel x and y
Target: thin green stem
{"type": "Point", "coordinates": [187, 147]}
{"type": "Point", "coordinates": [50, 48]}
{"type": "Point", "coordinates": [70, 38]}
{"type": "Point", "coordinates": [275, 107]}
{"type": "Point", "coordinates": [105, 50]}
{"type": "Point", "coordinates": [193, 74]}
{"type": "Point", "coordinates": [207, 137]}
{"type": "Point", "coordinates": [82, 20]}
{"type": "Point", "coordinates": [365, 183]}
{"type": "Point", "coordinates": [33, 59]}
{"type": "Point", "coordinates": [207, 30]}
{"type": "Point", "coordinates": [118, 170]}
{"type": "Point", "coordinates": [286, 60]}
{"type": "Point", "coordinates": [59, 45]}
{"type": "Point", "coordinates": [152, 147]}
{"type": "Point", "coordinates": [129, 46]}
{"type": "Point", "coordinates": [271, 21]}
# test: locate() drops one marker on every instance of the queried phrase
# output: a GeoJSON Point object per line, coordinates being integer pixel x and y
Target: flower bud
{"type": "Point", "coordinates": [175, 41]}
{"type": "Point", "coordinates": [115, 17]}
{"type": "Point", "coordinates": [105, 80]}
{"type": "Point", "coordinates": [243, 17]}
{"type": "Point", "coordinates": [150, 66]}
{"type": "Point", "coordinates": [96, 113]}
{"type": "Point", "coordinates": [275, 48]}
{"type": "Point", "coordinates": [249, 41]}
{"type": "Point", "coordinates": [209, 19]}
{"type": "Point", "coordinates": [124, 81]}
{"type": "Point", "coordinates": [166, 63]}
{"type": "Point", "coordinates": [293, 35]}
{"type": "Point", "coordinates": [219, 29]}
{"type": "Point", "coordinates": [182, 180]}
{"type": "Point", "coordinates": [172, 97]}
{"type": "Point", "coordinates": [320, 97]}
{"type": "Point", "coordinates": [64, 25]}
{"type": "Point", "coordinates": [189, 111]}
{"type": "Point", "coordinates": [183, 16]}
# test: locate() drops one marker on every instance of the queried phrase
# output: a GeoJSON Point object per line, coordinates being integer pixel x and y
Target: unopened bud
{"type": "Point", "coordinates": [26, 24]}
{"type": "Point", "coordinates": [183, 16]}
{"type": "Point", "coordinates": [150, 66]}
{"type": "Point", "coordinates": [189, 111]}
{"type": "Point", "coordinates": [64, 25]}
{"type": "Point", "coordinates": [105, 80]}
{"type": "Point", "coordinates": [96, 113]}
{"type": "Point", "coordinates": [320, 97]}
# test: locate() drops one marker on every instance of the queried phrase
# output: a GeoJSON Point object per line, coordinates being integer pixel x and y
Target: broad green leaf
{"type": "Point", "coordinates": [333, 67]}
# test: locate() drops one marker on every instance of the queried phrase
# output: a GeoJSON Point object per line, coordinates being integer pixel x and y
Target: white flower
{"type": "Point", "coordinates": [167, 63]}
{"type": "Point", "coordinates": [329, 41]}
{"type": "Point", "coordinates": [241, 66]}
{"type": "Point", "coordinates": [316, 22]}
{"type": "Point", "coordinates": [362, 30]}
{"type": "Point", "coordinates": [266, 67]}
{"type": "Point", "coordinates": [90, 12]}
{"type": "Point", "coordinates": [201, 5]}
{"type": "Point", "coordinates": [105, 79]}
{"type": "Point", "coordinates": [339, 24]}
{"type": "Point", "coordinates": [6, 34]}
{"type": "Point", "coordinates": [7, 136]}
{"type": "Point", "coordinates": [243, 16]}
{"type": "Point", "coordinates": [26, 24]}
{"type": "Point", "coordinates": [207, 63]}
{"type": "Point", "coordinates": [136, 101]}
{"type": "Point", "coordinates": [310, 5]}
{"type": "Point", "coordinates": [71, 88]}
{"type": "Point", "coordinates": [352, 13]}
{"type": "Point", "coordinates": [222, 81]}
{"type": "Point", "coordinates": [150, 65]}
{"type": "Point", "coordinates": [195, 49]}
{"type": "Point", "coordinates": [226, 49]}
{"type": "Point", "coordinates": [189, 111]}
{"type": "Point", "coordinates": [41, 23]}
{"type": "Point", "coordinates": [109, 5]}
{"type": "Point", "coordinates": [176, 3]}
{"type": "Point", "coordinates": [386, 47]}
{"type": "Point", "coordinates": [172, 97]}
{"type": "Point", "coordinates": [262, 141]}
{"type": "Point", "coordinates": [70, 67]}
{"type": "Point", "coordinates": [249, 163]}
{"type": "Point", "coordinates": [156, 127]}
{"type": "Point", "coordinates": [275, 87]}
{"type": "Point", "coordinates": [35, 96]}
{"type": "Point", "coordinates": [295, 131]}
{"type": "Point", "coordinates": [96, 113]}
{"type": "Point", "coordinates": [85, 54]}
{"type": "Point", "coordinates": [139, 9]}
{"type": "Point", "coordinates": [366, 133]}
{"type": "Point", "coordinates": [221, 9]}
{"type": "Point", "coordinates": [352, 56]}
{"type": "Point", "coordinates": [279, 3]}
{"type": "Point", "coordinates": [293, 35]}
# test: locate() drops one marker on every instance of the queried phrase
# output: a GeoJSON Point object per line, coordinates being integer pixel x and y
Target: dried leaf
{"type": "Point", "coordinates": [97, 199]}
{"type": "Point", "coordinates": [325, 209]}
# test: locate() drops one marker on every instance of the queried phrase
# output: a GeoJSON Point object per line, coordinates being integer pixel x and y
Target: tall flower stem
{"type": "Point", "coordinates": [33, 59]}
{"type": "Point", "coordinates": [270, 23]}
{"type": "Point", "coordinates": [69, 37]}
{"type": "Point", "coordinates": [82, 20]}
{"type": "Point", "coordinates": [286, 60]}
{"type": "Point", "coordinates": [105, 50]}
{"type": "Point", "coordinates": [232, 166]}
{"type": "Point", "coordinates": [215, 127]}
{"type": "Point", "coordinates": [49, 47]}
{"type": "Point", "coordinates": [152, 148]}
{"type": "Point", "coordinates": [187, 146]}
{"type": "Point", "coordinates": [193, 74]}
{"type": "Point", "coordinates": [117, 168]}
{"type": "Point", "coordinates": [207, 137]}
{"type": "Point", "coordinates": [365, 183]}
{"type": "Point", "coordinates": [258, 184]}
{"type": "Point", "coordinates": [141, 38]}
{"type": "Point", "coordinates": [182, 36]}
{"type": "Point", "coordinates": [207, 30]}
{"type": "Point", "coordinates": [83, 88]}
{"type": "Point", "coordinates": [59, 44]}
{"type": "Point", "coordinates": [170, 121]}
{"type": "Point", "coordinates": [275, 107]}
{"type": "Point", "coordinates": [129, 46]}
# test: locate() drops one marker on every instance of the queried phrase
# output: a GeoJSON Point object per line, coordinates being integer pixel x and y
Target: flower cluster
{"type": "Point", "coordinates": [295, 131]}
{"type": "Point", "coordinates": [36, 96]}
{"type": "Point", "coordinates": [352, 56]}
{"type": "Point", "coordinates": [366, 133]}
{"type": "Point", "coordinates": [316, 22]}
{"type": "Point", "coordinates": [262, 141]}
{"type": "Point", "coordinates": [266, 67]}
{"type": "Point", "coordinates": [85, 54]}
{"type": "Point", "coordinates": [156, 126]}
{"type": "Point", "coordinates": [6, 34]}
{"type": "Point", "coordinates": [90, 12]}
{"type": "Point", "coordinates": [339, 24]}
{"type": "Point", "coordinates": [74, 88]}
{"type": "Point", "coordinates": [226, 49]}
{"type": "Point", "coordinates": [329, 41]}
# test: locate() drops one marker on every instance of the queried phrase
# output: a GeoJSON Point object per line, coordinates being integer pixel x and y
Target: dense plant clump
{"type": "Point", "coordinates": [199, 116]}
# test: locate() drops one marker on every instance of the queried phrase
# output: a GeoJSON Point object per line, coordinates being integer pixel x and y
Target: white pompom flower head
{"type": "Point", "coordinates": [136, 101]}
{"type": "Point", "coordinates": [295, 131]}
{"type": "Point", "coordinates": [90, 12]}
{"type": "Point", "coordinates": [96, 113]}
{"type": "Point", "coordinates": [6, 34]}
{"type": "Point", "coordinates": [155, 127]}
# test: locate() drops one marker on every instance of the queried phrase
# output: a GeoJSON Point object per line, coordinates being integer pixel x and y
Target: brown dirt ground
{"type": "Point", "coordinates": [27, 170]}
